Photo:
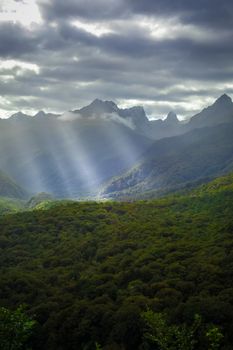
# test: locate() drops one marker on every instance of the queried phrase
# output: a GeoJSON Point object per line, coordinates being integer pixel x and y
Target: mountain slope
{"type": "Point", "coordinates": [221, 111]}
{"type": "Point", "coordinates": [8, 188]}
{"type": "Point", "coordinates": [74, 154]}
{"type": "Point", "coordinates": [67, 158]}
{"type": "Point", "coordinates": [171, 163]}
{"type": "Point", "coordinates": [170, 126]}
{"type": "Point", "coordinates": [87, 270]}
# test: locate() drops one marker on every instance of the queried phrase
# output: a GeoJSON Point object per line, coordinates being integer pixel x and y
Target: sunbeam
{"type": "Point", "coordinates": [21, 143]}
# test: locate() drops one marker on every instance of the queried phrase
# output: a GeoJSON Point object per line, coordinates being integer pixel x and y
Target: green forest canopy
{"type": "Point", "coordinates": [87, 270]}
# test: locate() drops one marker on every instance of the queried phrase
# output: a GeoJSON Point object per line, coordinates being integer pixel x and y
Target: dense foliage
{"type": "Point", "coordinates": [165, 336]}
{"type": "Point", "coordinates": [10, 205]}
{"type": "Point", "coordinates": [88, 271]}
{"type": "Point", "coordinates": [15, 329]}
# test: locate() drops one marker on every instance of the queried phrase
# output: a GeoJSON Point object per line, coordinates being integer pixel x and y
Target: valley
{"type": "Point", "coordinates": [106, 229]}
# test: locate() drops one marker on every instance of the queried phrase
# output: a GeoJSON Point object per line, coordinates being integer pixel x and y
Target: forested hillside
{"type": "Point", "coordinates": [87, 271]}
{"type": "Point", "coordinates": [175, 162]}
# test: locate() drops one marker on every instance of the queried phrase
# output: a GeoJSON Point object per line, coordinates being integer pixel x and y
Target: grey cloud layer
{"type": "Point", "coordinates": [126, 62]}
{"type": "Point", "coordinates": [15, 40]}
{"type": "Point", "coordinates": [208, 12]}
{"type": "Point", "coordinates": [89, 9]}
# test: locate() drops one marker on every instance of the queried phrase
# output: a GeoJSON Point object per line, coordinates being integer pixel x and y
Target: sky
{"type": "Point", "coordinates": [165, 55]}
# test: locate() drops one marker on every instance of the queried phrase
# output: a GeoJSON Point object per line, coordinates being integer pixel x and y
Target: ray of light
{"type": "Point", "coordinates": [77, 169]}
{"type": "Point", "coordinates": [21, 143]}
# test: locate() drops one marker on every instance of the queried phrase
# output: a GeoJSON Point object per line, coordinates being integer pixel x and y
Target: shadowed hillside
{"type": "Point", "coordinates": [8, 188]}
{"type": "Point", "coordinates": [88, 270]}
{"type": "Point", "coordinates": [176, 162]}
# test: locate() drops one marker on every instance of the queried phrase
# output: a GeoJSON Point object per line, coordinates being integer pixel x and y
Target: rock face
{"type": "Point", "coordinates": [172, 118]}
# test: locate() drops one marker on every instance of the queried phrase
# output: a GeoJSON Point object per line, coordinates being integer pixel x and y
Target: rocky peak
{"type": "Point", "coordinates": [40, 114]}
{"type": "Point", "coordinates": [98, 107]}
{"type": "Point", "coordinates": [223, 100]}
{"type": "Point", "coordinates": [171, 118]}
{"type": "Point", "coordinates": [19, 116]}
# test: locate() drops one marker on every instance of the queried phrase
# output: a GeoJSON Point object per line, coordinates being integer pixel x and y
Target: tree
{"type": "Point", "coordinates": [214, 337]}
{"type": "Point", "coordinates": [15, 329]}
{"type": "Point", "coordinates": [170, 337]}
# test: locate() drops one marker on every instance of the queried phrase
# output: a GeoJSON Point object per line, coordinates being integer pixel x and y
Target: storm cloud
{"type": "Point", "coordinates": [164, 55]}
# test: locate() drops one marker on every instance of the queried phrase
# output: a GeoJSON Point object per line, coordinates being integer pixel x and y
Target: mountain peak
{"type": "Point", "coordinates": [97, 108]}
{"type": "Point", "coordinates": [103, 104]}
{"type": "Point", "coordinates": [221, 111]}
{"type": "Point", "coordinates": [19, 116]}
{"type": "Point", "coordinates": [136, 111]}
{"type": "Point", "coordinates": [172, 117]}
{"type": "Point", "coordinates": [136, 115]}
{"type": "Point", "coordinates": [223, 99]}
{"type": "Point", "coordinates": [40, 114]}
{"type": "Point", "coordinates": [112, 105]}
{"type": "Point", "coordinates": [96, 102]}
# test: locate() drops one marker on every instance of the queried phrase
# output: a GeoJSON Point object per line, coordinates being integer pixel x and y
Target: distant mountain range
{"type": "Point", "coordinates": [120, 151]}
{"type": "Point", "coordinates": [220, 112]}
{"type": "Point", "coordinates": [68, 157]}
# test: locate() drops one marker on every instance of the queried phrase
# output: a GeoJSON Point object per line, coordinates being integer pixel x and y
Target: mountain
{"type": "Point", "coordinates": [97, 108]}
{"type": "Point", "coordinates": [135, 116]}
{"type": "Point", "coordinates": [170, 126]}
{"type": "Point", "coordinates": [74, 154]}
{"type": "Point", "coordinates": [8, 188]}
{"type": "Point", "coordinates": [221, 111]}
{"type": "Point", "coordinates": [22, 117]}
{"type": "Point", "coordinates": [42, 114]}
{"type": "Point", "coordinates": [172, 118]}
{"type": "Point", "coordinates": [19, 116]}
{"type": "Point", "coordinates": [173, 162]}
{"type": "Point", "coordinates": [67, 157]}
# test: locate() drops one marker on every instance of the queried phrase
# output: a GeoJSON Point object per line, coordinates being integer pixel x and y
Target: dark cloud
{"type": "Point", "coordinates": [98, 9]}
{"type": "Point", "coordinates": [15, 40]}
{"type": "Point", "coordinates": [187, 58]}
{"type": "Point", "coordinates": [205, 12]}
